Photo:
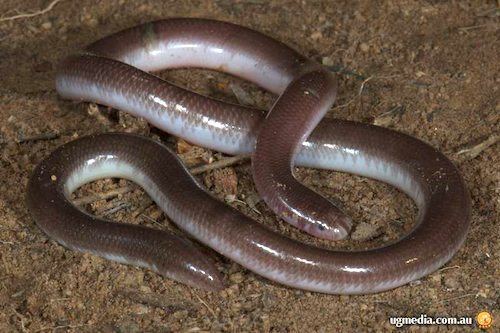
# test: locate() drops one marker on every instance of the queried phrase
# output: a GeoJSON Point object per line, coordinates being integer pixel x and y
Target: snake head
{"type": "Point", "coordinates": [336, 227]}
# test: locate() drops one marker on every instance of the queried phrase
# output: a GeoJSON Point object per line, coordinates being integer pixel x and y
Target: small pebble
{"type": "Point", "coordinates": [327, 61]}
{"type": "Point", "coordinates": [419, 74]}
{"type": "Point", "coordinates": [140, 309]}
{"type": "Point", "coordinates": [181, 314]}
{"type": "Point", "coordinates": [236, 278]}
{"type": "Point", "coordinates": [145, 289]}
{"type": "Point", "coordinates": [316, 35]}
{"type": "Point", "coordinates": [436, 278]}
{"type": "Point", "coordinates": [452, 282]}
{"type": "Point", "coordinates": [364, 47]}
{"type": "Point", "coordinates": [93, 22]}
{"type": "Point", "coordinates": [47, 25]}
{"type": "Point", "coordinates": [236, 307]}
{"type": "Point", "coordinates": [365, 231]}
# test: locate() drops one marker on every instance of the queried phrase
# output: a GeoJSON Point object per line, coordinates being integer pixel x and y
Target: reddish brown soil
{"type": "Point", "coordinates": [428, 68]}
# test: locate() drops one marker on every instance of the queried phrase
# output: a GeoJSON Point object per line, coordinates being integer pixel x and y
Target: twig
{"type": "Point", "coordinates": [206, 305]}
{"type": "Point", "coordinates": [25, 15]}
{"type": "Point", "coordinates": [230, 198]}
{"type": "Point", "coordinates": [447, 268]}
{"type": "Point", "coordinates": [342, 70]}
{"type": "Point", "coordinates": [386, 118]}
{"type": "Point", "coordinates": [142, 207]}
{"type": "Point", "coordinates": [472, 152]}
{"type": "Point", "coordinates": [159, 301]}
{"type": "Point", "coordinates": [455, 298]}
{"type": "Point", "coordinates": [150, 219]}
{"type": "Point", "coordinates": [473, 27]}
{"type": "Point", "coordinates": [242, 96]}
{"type": "Point", "coordinates": [38, 137]}
{"type": "Point", "coordinates": [220, 164]}
{"type": "Point", "coordinates": [5, 265]}
{"type": "Point", "coordinates": [361, 88]}
{"type": "Point", "coordinates": [115, 209]}
{"type": "Point", "coordinates": [102, 196]}
{"type": "Point", "coordinates": [492, 12]}
{"type": "Point", "coordinates": [6, 242]}
{"type": "Point", "coordinates": [22, 320]}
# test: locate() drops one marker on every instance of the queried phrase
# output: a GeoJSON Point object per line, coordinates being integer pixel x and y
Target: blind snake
{"type": "Point", "coordinates": [114, 71]}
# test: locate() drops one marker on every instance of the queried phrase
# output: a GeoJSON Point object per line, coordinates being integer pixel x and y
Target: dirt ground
{"type": "Point", "coordinates": [426, 68]}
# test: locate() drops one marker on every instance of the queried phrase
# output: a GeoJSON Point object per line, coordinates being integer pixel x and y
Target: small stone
{"type": "Point", "coordinates": [241, 94]}
{"type": "Point", "coordinates": [236, 307]}
{"type": "Point", "coordinates": [47, 25]}
{"type": "Point", "coordinates": [230, 198]}
{"type": "Point", "coordinates": [183, 146]}
{"type": "Point", "coordinates": [193, 155]}
{"type": "Point", "coordinates": [145, 289]}
{"type": "Point", "coordinates": [327, 61]}
{"type": "Point", "coordinates": [140, 309]}
{"type": "Point", "coordinates": [364, 47]}
{"type": "Point", "coordinates": [436, 278]}
{"type": "Point", "coordinates": [419, 74]}
{"type": "Point", "coordinates": [223, 181]}
{"type": "Point", "coordinates": [266, 323]}
{"type": "Point", "coordinates": [181, 314]}
{"type": "Point", "coordinates": [136, 278]}
{"type": "Point", "coordinates": [483, 292]}
{"type": "Point", "coordinates": [236, 278]}
{"type": "Point", "coordinates": [316, 35]}
{"type": "Point", "coordinates": [365, 231]}
{"type": "Point", "coordinates": [252, 199]}
{"type": "Point", "coordinates": [451, 282]}
{"type": "Point", "coordinates": [232, 291]}
{"type": "Point", "coordinates": [93, 22]}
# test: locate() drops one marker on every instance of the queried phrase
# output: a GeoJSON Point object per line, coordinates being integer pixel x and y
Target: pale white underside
{"type": "Point", "coordinates": [175, 54]}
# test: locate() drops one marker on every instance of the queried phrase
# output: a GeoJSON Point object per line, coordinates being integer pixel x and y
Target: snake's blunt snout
{"type": "Point", "coordinates": [336, 226]}
{"type": "Point", "coordinates": [205, 277]}
{"type": "Point", "coordinates": [181, 261]}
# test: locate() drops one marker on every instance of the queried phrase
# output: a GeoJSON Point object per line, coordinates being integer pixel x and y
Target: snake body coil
{"type": "Point", "coordinates": [113, 72]}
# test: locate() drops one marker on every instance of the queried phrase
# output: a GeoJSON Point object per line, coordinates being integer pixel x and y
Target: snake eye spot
{"type": "Point", "coordinates": [321, 227]}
